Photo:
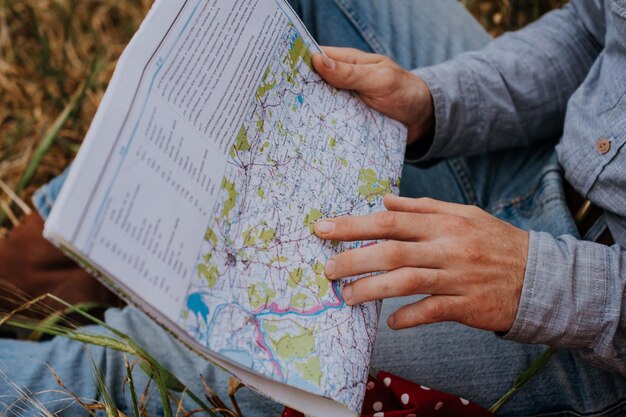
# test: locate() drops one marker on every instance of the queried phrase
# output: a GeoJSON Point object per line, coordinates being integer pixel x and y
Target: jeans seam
{"type": "Point", "coordinates": [464, 180]}
{"type": "Point", "coordinates": [369, 36]}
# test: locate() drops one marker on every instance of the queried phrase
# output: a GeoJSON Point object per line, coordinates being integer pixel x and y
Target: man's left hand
{"type": "Point", "coordinates": [470, 263]}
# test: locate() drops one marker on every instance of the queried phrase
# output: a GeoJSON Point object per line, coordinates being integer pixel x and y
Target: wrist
{"type": "Point", "coordinates": [422, 125]}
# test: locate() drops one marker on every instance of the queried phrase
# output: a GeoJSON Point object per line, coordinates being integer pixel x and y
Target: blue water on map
{"type": "Point", "coordinates": [196, 305]}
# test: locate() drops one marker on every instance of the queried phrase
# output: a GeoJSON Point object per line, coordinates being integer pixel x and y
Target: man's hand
{"type": "Point", "coordinates": [471, 263]}
{"type": "Point", "coordinates": [382, 84]}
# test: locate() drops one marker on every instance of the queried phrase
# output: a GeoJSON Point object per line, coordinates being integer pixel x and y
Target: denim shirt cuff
{"type": "Point", "coordinates": [563, 295]}
{"type": "Point", "coordinates": [523, 328]}
{"type": "Point", "coordinates": [455, 95]}
{"type": "Point", "coordinates": [434, 151]}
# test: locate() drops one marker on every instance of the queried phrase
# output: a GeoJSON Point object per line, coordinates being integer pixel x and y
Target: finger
{"type": "Point", "coordinates": [346, 76]}
{"type": "Point", "coordinates": [352, 55]}
{"type": "Point", "coordinates": [398, 283]}
{"type": "Point", "coordinates": [428, 205]}
{"type": "Point", "coordinates": [379, 226]}
{"type": "Point", "coordinates": [384, 256]}
{"type": "Point", "coordinates": [433, 309]}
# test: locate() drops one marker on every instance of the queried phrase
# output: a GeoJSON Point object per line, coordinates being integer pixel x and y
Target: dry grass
{"type": "Point", "coordinates": [50, 48]}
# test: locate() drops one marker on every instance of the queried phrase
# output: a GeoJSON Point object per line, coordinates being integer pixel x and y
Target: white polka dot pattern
{"type": "Point", "coordinates": [377, 406]}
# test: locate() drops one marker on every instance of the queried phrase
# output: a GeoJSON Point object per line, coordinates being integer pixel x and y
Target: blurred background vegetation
{"type": "Point", "coordinates": [56, 58]}
{"type": "Point", "coordinates": [499, 16]}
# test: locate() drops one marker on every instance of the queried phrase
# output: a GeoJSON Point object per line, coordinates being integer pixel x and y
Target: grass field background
{"type": "Point", "coordinates": [56, 58]}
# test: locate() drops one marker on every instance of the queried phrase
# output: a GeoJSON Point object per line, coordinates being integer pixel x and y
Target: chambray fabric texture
{"type": "Point", "coordinates": [564, 76]}
{"type": "Point", "coordinates": [522, 186]}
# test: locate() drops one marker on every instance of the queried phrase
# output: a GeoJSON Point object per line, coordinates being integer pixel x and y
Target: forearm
{"type": "Point", "coordinates": [515, 90]}
{"type": "Point", "coordinates": [574, 297]}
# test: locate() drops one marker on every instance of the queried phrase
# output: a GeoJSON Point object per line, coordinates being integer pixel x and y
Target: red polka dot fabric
{"type": "Point", "coordinates": [388, 395]}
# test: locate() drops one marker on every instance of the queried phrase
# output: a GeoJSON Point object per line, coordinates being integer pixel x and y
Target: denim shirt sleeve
{"type": "Point", "coordinates": [573, 297]}
{"type": "Point", "coordinates": [514, 91]}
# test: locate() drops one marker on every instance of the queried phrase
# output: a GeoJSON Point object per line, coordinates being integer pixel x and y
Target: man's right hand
{"type": "Point", "coordinates": [382, 84]}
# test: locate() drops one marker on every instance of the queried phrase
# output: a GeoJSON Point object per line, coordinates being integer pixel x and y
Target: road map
{"type": "Point", "coordinates": [259, 296]}
{"type": "Point", "coordinates": [214, 152]}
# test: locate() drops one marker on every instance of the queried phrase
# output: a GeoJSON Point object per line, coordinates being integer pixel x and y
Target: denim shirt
{"type": "Point", "coordinates": [563, 75]}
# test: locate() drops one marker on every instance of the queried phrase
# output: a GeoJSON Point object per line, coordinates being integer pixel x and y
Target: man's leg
{"type": "Point", "coordinates": [521, 186]}
{"type": "Point", "coordinates": [26, 372]}
{"type": "Point", "coordinates": [415, 33]}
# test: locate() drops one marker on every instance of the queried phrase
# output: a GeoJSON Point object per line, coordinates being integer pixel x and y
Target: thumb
{"type": "Point", "coordinates": [344, 75]}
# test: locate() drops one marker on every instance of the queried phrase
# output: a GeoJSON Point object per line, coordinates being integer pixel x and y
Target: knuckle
{"type": "Point", "coordinates": [387, 72]}
{"type": "Point", "coordinates": [414, 282]}
{"type": "Point", "coordinates": [349, 74]}
{"type": "Point", "coordinates": [395, 254]}
{"type": "Point", "coordinates": [471, 252]}
{"type": "Point", "coordinates": [344, 264]}
{"type": "Point", "coordinates": [384, 287]}
{"type": "Point", "coordinates": [428, 282]}
{"type": "Point", "coordinates": [457, 224]}
{"type": "Point", "coordinates": [426, 202]}
{"type": "Point", "coordinates": [442, 252]}
{"type": "Point", "coordinates": [463, 223]}
{"type": "Point", "coordinates": [349, 227]}
{"type": "Point", "coordinates": [436, 311]}
{"type": "Point", "coordinates": [467, 316]}
{"type": "Point", "coordinates": [352, 51]}
{"type": "Point", "coordinates": [474, 210]}
{"type": "Point", "coordinates": [386, 219]}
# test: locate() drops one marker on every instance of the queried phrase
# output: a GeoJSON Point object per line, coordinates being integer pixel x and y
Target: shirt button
{"type": "Point", "coordinates": [603, 146]}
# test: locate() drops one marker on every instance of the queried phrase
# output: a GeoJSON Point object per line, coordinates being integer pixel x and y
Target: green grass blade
{"type": "Point", "coordinates": [74, 309]}
{"type": "Point", "coordinates": [525, 377]}
{"type": "Point", "coordinates": [110, 409]}
{"type": "Point", "coordinates": [53, 132]}
{"type": "Point", "coordinates": [150, 366]}
{"type": "Point", "coordinates": [83, 337]}
{"type": "Point", "coordinates": [131, 387]}
{"type": "Point", "coordinates": [58, 316]}
{"type": "Point", "coordinates": [163, 393]}
{"type": "Point", "coordinates": [50, 137]}
{"type": "Point", "coordinates": [166, 381]}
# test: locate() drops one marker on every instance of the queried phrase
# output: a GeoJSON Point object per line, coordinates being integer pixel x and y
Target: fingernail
{"type": "Point", "coordinates": [325, 226]}
{"type": "Point", "coordinates": [328, 63]}
{"type": "Point", "coordinates": [329, 269]}
{"type": "Point", "coordinates": [347, 294]}
{"type": "Point", "coordinates": [391, 321]}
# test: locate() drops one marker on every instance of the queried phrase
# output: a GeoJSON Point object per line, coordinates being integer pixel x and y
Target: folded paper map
{"type": "Point", "coordinates": [215, 150]}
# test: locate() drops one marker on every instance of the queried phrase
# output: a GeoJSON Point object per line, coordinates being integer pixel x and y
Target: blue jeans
{"type": "Point", "coordinates": [521, 186]}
